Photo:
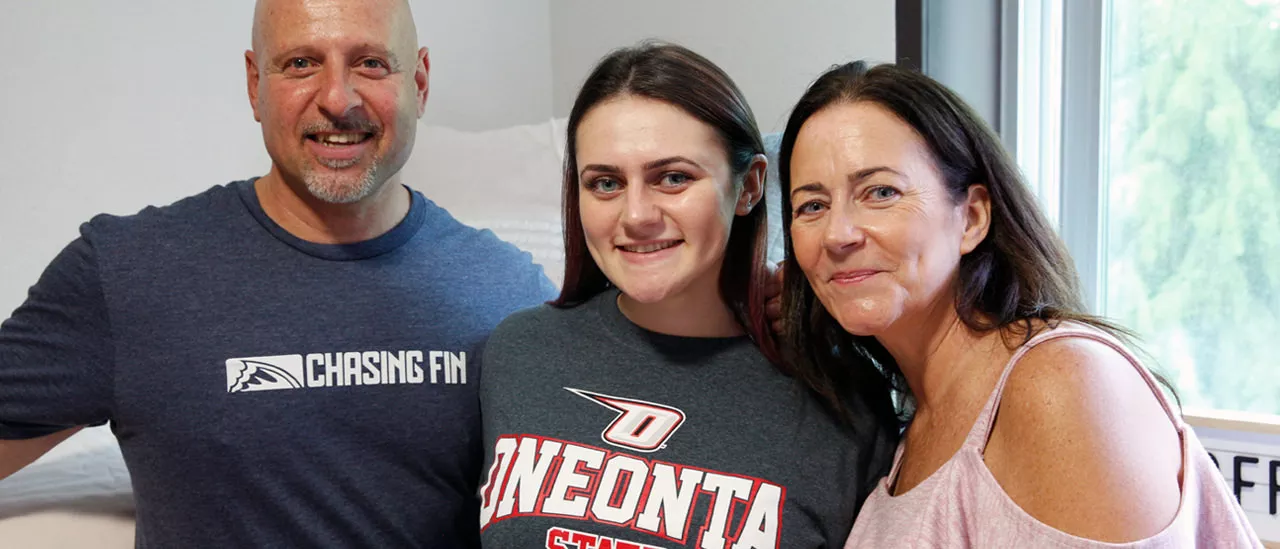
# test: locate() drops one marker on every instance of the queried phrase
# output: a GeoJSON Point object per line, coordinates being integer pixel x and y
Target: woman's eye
{"type": "Point", "coordinates": [883, 193]}
{"type": "Point", "coordinates": [810, 207]}
{"type": "Point", "coordinates": [675, 179]}
{"type": "Point", "coordinates": [605, 185]}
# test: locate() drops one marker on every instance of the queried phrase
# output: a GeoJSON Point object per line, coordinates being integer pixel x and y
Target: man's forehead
{"type": "Point", "coordinates": [294, 23]}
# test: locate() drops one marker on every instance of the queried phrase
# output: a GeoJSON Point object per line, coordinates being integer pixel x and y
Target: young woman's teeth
{"type": "Point", "coordinates": [650, 247]}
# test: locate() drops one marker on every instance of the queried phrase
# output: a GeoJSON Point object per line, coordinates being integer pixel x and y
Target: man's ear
{"type": "Point", "coordinates": [422, 79]}
{"type": "Point", "coordinates": [977, 217]}
{"type": "Point", "coordinates": [251, 77]}
{"type": "Point", "coordinates": [752, 184]}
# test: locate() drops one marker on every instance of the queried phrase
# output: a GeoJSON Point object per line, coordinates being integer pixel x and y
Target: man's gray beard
{"type": "Point", "coordinates": [337, 188]}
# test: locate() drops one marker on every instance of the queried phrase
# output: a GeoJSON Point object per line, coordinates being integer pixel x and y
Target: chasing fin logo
{"type": "Point", "coordinates": [267, 373]}
{"type": "Point", "coordinates": [346, 369]}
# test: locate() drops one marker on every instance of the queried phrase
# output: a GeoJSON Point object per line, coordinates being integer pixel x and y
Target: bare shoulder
{"type": "Point", "coordinates": [1082, 444]}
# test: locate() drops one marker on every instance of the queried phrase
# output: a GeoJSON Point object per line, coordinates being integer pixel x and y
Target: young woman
{"type": "Point", "coordinates": [641, 408]}
{"type": "Point", "coordinates": [913, 240]}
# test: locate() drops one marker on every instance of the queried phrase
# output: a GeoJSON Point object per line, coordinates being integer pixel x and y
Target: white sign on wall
{"type": "Point", "coordinates": [1250, 463]}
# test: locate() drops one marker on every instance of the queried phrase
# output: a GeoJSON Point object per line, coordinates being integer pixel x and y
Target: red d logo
{"type": "Point", "coordinates": [641, 426]}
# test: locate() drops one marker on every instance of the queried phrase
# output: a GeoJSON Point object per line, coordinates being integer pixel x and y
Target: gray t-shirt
{"type": "Point", "coordinates": [599, 433]}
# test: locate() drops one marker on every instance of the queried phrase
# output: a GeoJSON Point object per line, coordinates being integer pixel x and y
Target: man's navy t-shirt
{"type": "Point", "coordinates": [267, 391]}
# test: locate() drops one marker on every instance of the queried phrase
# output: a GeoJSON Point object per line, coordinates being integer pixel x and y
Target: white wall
{"type": "Point", "coordinates": [490, 61]}
{"type": "Point", "coordinates": [111, 106]}
{"type": "Point", "coordinates": [772, 49]}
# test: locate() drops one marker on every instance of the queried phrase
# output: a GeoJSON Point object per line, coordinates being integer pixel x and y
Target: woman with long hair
{"type": "Point", "coordinates": [912, 241]}
{"type": "Point", "coordinates": [642, 408]}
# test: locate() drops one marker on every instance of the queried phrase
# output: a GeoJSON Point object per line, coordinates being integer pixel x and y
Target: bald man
{"type": "Point", "coordinates": [289, 360]}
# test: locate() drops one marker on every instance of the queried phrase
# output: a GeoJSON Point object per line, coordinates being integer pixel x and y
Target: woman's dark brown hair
{"type": "Point", "coordinates": [681, 78]}
{"type": "Point", "coordinates": [1018, 278]}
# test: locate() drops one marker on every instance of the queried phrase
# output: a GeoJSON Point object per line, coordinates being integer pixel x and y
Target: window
{"type": "Point", "coordinates": [1169, 194]}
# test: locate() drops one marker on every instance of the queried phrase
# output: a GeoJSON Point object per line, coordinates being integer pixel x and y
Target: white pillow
{"type": "Point", "coordinates": [777, 247]}
{"type": "Point", "coordinates": [85, 472]}
{"type": "Point", "coordinates": [506, 180]}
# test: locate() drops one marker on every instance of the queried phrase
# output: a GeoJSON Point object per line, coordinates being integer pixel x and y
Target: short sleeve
{"type": "Point", "coordinates": [56, 352]}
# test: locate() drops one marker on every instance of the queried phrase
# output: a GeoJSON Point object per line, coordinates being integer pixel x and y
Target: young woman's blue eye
{"type": "Point", "coordinates": [604, 185]}
{"type": "Point", "coordinates": [675, 179]}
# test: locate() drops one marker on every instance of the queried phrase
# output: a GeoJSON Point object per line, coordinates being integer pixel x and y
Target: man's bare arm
{"type": "Point", "coordinates": [16, 454]}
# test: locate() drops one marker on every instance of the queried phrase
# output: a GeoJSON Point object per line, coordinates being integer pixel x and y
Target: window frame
{"type": "Point", "coordinates": [1081, 211]}
{"type": "Point", "coordinates": [1083, 215]}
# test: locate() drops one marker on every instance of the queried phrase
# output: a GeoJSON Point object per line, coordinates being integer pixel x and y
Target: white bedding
{"type": "Point", "coordinates": [506, 180]}
{"type": "Point", "coordinates": [85, 472]}
{"type": "Point", "coordinates": [67, 529]}
{"type": "Point", "coordinates": [78, 495]}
